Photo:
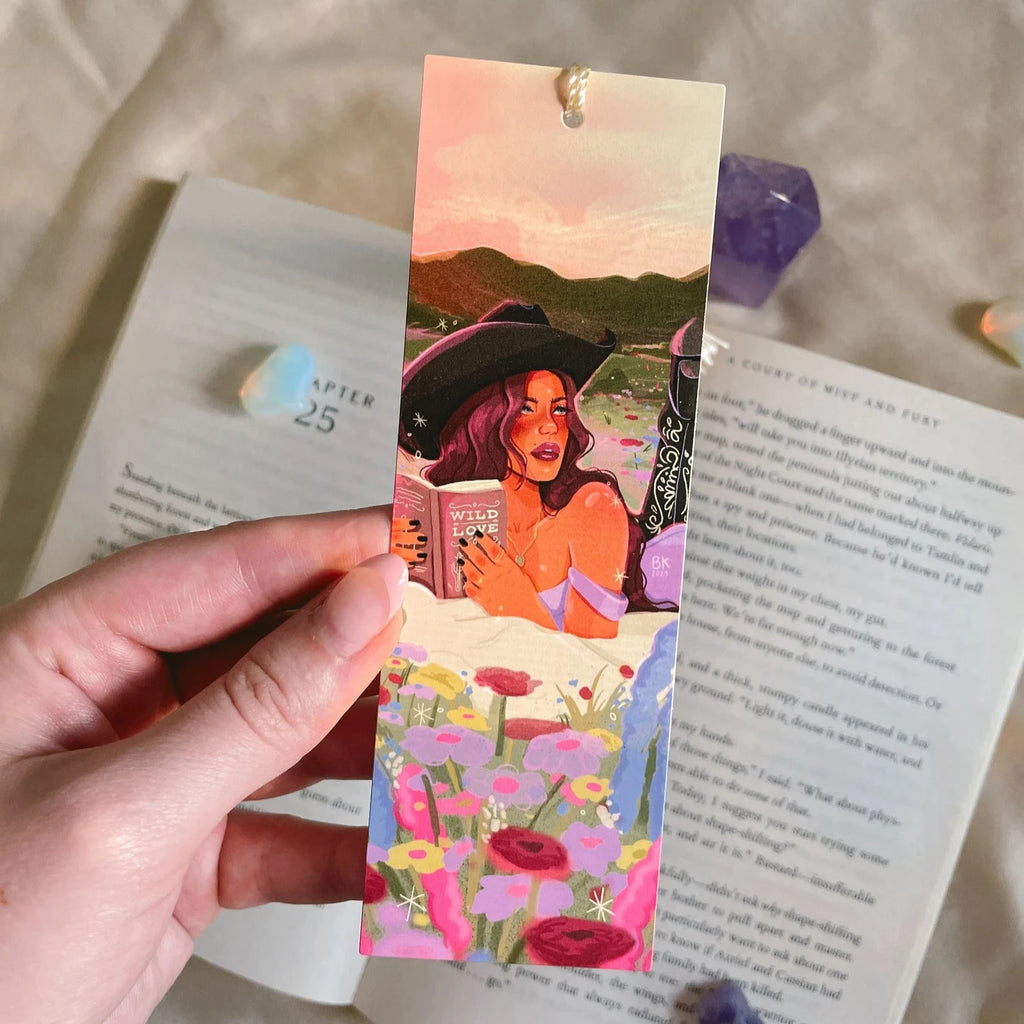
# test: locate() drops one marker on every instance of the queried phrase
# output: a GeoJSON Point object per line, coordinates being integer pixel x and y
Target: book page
{"type": "Point", "coordinates": [850, 637]}
{"type": "Point", "coordinates": [168, 450]}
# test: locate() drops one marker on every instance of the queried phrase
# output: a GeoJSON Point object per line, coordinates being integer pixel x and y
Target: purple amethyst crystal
{"type": "Point", "coordinates": [726, 1005]}
{"type": "Point", "coordinates": [766, 213]}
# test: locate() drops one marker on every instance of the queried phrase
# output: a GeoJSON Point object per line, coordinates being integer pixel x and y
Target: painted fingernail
{"type": "Point", "coordinates": [422, 556]}
{"type": "Point", "coordinates": [463, 542]}
{"type": "Point", "coordinates": [414, 522]}
{"type": "Point", "coordinates": [422, 539]}
{"type": "Point", "coordinates": [478, 533]}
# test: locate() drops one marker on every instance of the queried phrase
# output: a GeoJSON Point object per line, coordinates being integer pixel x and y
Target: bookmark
{"type": "Point", "coordinates": [557, 286]}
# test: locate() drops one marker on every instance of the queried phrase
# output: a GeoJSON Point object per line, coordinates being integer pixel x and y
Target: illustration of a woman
{"type": "Point", "coordinates": [497, 400]}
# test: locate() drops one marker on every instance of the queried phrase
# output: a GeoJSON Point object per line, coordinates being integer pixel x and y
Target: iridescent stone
{"type": "Point", "coordinates": [726, 1005]}
{"type": "Point", "coordinates": [766, 213]}
{"type": "Point", "coordinates": [1003, 325]}
{"type": "Point", "coordinates": [280, 384]}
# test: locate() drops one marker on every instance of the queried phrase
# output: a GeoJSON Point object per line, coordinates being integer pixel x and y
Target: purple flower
{"type": "Point", "coordinates": [500, 896]}
{"type": "Point", "coordinates": [418, 690]}
{"type": "Point", "coordinates": [567, 753]}
{"type": "Point", "coordinates": [615, 882]}
{"type": "Point", "coordinates": [507, 785]}
{"type": "Point", "coordinates": [457, 853]}
{"type": "Point", "coordinates": [411, 651]}
{"type": "Point", "coordinates": [375, 854]}
{"type": "Point", "coordinates": [392, 717]}
{"type": "Point", "coordinates": [591, 848]}
{"type": "Point", "coordinates": [434, 746]}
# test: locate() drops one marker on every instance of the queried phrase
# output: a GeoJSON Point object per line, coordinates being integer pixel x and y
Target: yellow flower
{"type": "Point", "coordinates": [419, 855]}
{"type": "Point", "coordinates": [609, 739]}
{"type": "Point", "coordinates": [443, 681]}
{"type": "Point", "coordinates": [378, 742]}
{"type": "Point", "coordinates": [421, 920]}
{"type": "Point", "coordinates": [633, 853]}
{"type": "Point", "coordinates": [398, 663]}
{"type": "Point", "coordinates": [590, 787]}
{"type": "Point", "coordinates": [469, 718]}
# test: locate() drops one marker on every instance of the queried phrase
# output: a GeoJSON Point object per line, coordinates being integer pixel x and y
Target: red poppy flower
{"type": "Point", "coordinates": [376, 888]}
{"type": "Point", "coordinates": [394, 677]}
{"type": "Point", "coordinates": [505, 682]}
{"type": "Point", "coordinates": [586, 692]}
{"type": "Point", "coordinates": [626, 672]}
{"type": "Point", "coordinates": [527, 728]}
{"type": "Point", "coordinates": [575, 942]}
{"type": "Point", "coordinates": [521, 849]}
{"type": "Point", "coordinates": [384, 697]}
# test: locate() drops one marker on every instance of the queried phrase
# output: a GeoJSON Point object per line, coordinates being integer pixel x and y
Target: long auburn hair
{"type": "Point", "coordinates": [476, 444]}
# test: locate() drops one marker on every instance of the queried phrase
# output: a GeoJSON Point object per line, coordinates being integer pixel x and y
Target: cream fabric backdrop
{"type": "Point", "coordinates": [910, 116]}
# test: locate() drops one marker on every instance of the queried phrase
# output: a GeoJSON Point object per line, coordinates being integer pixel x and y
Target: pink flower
{"type": "Point", "coordinates": [444, 905]}
{"type": "Point", "coordinates": [462, 805]}
{"type": "Point", "coordinates": [412, 810]}
{"type": "Point", "coordinates": [634, 906]}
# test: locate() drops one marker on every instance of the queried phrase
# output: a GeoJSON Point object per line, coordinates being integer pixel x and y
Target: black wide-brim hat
{"type": "Point", "coordinates": [510, 339]}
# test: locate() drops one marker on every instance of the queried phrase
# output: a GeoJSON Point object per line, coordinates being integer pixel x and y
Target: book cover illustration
{"type": "Point", "coordinates": [556, 297]}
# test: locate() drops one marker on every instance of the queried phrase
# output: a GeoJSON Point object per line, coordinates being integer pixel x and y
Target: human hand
{"type": "Point", "coordinates": [118, 843]}
{"type": "Point", "coordinates": [496, 582]}
{"type": "Point", "coordinates": [408, 540]}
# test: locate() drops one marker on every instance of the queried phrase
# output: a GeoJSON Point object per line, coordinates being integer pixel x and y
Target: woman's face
{"type": "Point", "coordinates": [540, 430]}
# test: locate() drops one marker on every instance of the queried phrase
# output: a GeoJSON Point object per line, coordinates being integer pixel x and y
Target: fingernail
{"type": "Point", "coordinates": [359, 607]}
{"type": "Point", "coordinates": [395, 573]}
{"type": "Point", "coordinates": [463, 542]}
{"type": "Point", "coordinates": [414, 522]}
{"type": "Point", "coordinates": [422, 539]}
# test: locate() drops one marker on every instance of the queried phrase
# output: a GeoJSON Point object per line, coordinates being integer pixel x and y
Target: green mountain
{"type": "Point", "coordinates": [639, 311]}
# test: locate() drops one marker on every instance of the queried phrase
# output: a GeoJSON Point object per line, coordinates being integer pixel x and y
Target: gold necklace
{"type": "Point", "coordinates": [520, 557]}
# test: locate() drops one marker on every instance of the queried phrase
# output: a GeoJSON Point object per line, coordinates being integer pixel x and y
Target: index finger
{"type": "Point", "coordinates": [187, 591]}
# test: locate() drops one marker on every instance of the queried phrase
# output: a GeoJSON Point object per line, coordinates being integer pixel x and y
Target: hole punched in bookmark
{"type": "Point", "coordinates": [572, 91]}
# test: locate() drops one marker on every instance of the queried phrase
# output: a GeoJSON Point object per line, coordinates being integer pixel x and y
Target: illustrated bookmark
{"type": "Point", "coordinates": [560, 251]}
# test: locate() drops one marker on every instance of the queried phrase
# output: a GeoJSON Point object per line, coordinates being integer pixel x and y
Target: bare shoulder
{"type": "Point", "coordinates": [598, 500]}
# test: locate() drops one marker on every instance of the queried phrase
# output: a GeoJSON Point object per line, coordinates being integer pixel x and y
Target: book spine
{"type": "Point", "coordinates": [461, 515]}
{"type": "Point", "coordinates": [413, 502]}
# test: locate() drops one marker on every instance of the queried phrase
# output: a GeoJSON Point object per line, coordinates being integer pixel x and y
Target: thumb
{"type": "Point", "coordinates": [271, 708]}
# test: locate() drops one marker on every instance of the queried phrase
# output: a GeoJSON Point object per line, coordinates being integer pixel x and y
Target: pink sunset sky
{"type": "Point", "coordinates": [631, 191]}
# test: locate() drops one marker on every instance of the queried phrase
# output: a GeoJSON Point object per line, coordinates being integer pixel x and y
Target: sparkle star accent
{"type": "Point", "coordinates": [421, 713]}
{"type": "Point", "coordinates": [412, 901]}
{"type": "Point", "coordinates": [620, 576]}
{"type": "Point", "coordinates": [616, 502]}
{"type": "Point", "coordinates": [442, 324]}
{"type": "Point", "coordinates": [601, 906]}
{"type": "Point", "coordinates": [419, 419]}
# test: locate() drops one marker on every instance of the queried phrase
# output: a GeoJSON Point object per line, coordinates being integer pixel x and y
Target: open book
{"type": "Point", "coordinates": [850, 636]}
{"type": "Point", "coordinates": [447, 513]}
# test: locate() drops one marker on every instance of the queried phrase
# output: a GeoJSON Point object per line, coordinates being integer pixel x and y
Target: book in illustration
{"type": "Point", "coordinates": [556, 298]}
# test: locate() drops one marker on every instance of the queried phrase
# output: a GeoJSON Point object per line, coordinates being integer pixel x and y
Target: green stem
{"type": "Point", "coordinates": [433, 711]}
{"type": "Point", "coordinates": [453, 774]}
{"type": "Point", "coordinates": [499, 746]}
{"type": "Point", "coordinates": [543, 807]}
{"type": "Point", "coordinates": [435, 818]}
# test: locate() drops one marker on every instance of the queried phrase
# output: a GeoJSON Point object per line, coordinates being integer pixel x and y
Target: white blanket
{"type": "Point", "coordinates": [909, 116]}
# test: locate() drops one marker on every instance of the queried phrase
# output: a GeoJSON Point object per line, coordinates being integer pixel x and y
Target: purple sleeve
{"type": "Point", "coordinates": [605, 602]}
